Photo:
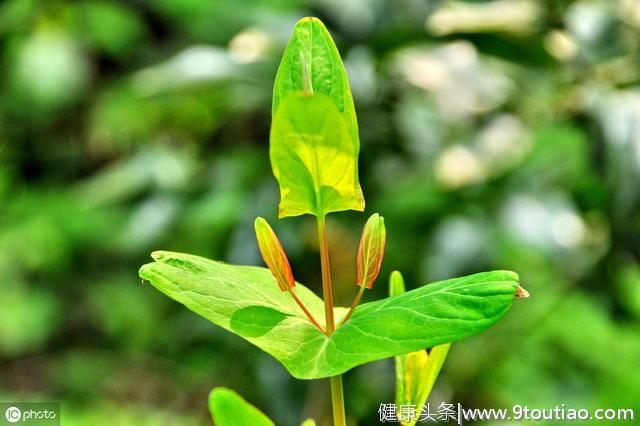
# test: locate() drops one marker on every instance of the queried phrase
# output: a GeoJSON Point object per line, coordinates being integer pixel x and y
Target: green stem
{"type": "Point", "coordinates": [337, 394]}
{"type": "Point", "coordinates": [337, 400]}
{"type": "Point", "coordinates": [326, 276]}
{"type": "Point", "coordinates": [354, 304]}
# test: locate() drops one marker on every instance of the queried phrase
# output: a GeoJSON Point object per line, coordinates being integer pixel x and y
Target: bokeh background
{"type": "Point", "coordinates": [495, 134]}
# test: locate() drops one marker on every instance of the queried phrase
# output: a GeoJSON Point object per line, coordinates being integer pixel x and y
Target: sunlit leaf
{"type": "Point", "coordinates": [311, 65]}
{"type": "Point", "coordinates": [312, 47]}
{"type": "Point", "coordinates": [313, 158]}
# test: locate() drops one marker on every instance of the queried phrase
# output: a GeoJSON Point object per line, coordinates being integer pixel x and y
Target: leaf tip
{"type": "Point", "coordinates": [309, 19]}
{"type": "Point", "coordinates": [396, 284]}
{"type": "Point", "coordinates": [521, 293]}
{"type": "Point", "coordinates": [143, 273]}
{"type": "Point", "coordinates": [159, 255]}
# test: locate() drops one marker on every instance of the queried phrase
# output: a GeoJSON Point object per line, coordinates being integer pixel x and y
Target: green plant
{"type": "Point", "coordinates": [314, 150]}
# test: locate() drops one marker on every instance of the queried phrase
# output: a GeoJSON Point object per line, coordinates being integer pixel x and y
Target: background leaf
{"type": "Point", "coordinates": [230, 409]}
{"type": "Point", "coordinates": [313, 158]}
{"type": "Point", "coordinates": [246, 300]}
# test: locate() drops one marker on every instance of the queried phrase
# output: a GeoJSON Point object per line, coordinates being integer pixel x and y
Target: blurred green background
{"type": "Point", "coordinates": [500, 134]}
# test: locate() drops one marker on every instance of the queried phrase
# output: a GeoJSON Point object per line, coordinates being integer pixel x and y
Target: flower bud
{"type": "Point", "coordinates": [274, 255]}
{"type": "Point", "coordinates": [371, 250]}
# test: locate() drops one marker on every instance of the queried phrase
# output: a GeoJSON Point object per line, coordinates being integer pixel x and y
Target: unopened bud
{"type": "Point", "coordinates": [274, 255]}
{"type": "Point", "coordinates": [371, 250]}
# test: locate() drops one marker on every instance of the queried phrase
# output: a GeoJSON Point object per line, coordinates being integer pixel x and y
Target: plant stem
{"type": "Point", "coordinates": [354, 304]}
{"type": "Point", "coordinates": [337, 394]}
{"type": "Point", "coordinates": [337, 400]}
{"type": "Point", "coordinates": [326, 275]}
{"type": "Point", "coordinates": [306, 311]}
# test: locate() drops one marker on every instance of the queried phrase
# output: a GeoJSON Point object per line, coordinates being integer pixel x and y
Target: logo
{"type": "Point", "coordinates": [30, 413]}
{"type": "Point", "coordinates": [13, 414]}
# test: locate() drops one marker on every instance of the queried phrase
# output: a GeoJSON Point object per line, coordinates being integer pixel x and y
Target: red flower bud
{"type": "Point", "coordinates": [274, 255]}
{"type": "Point", "coordinates": [371, 250]}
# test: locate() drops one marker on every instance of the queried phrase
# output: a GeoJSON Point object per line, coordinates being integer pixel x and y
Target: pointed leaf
{"type": "Point", "coordinates": [230, 409]}
{"type": "Point", "coordinates": [313, 158]}
{"type": "Point", "coordinates": [311, 51]}
{"type": "Point", "coordinates": [246, 300]}
{"type": "Point", "coordinates": [311, 64]}
{"type": "Point", "coordinates": [416, 373]}
{"type": "Point", "coordinates": [396, 284]}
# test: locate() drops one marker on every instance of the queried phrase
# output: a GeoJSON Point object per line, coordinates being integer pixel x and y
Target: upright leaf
{"type": "Point", "coordinates": [230, 409]}
{"type": "Point", "coordinates": [311, 64]}
{"type": "Point", "coordinates": [247, 301]}
{"type": "Point", "coordinates": [313, 158]}
{"type": "Point", "coordinates": [312, 53]}
{"type": "Point", "coordinates": [396, 284]}
{"type": "Point", "coordinates": [416, 372]}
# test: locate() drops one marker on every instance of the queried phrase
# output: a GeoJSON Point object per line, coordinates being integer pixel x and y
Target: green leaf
{"type": "Point", "coordinates": [416, 373]}
{"type": "Point", "coordinates": [313, 158]}
{"type": "Point", "coordinates": [247, 301]}
{"type": "Point", "coordinates": [311, 65]}
{"type": "Point", "coordinates": [230, 409]}
{"type": "Point", "coordinates": [396, 284]}
{"type": "Point", "coordinates": [311, 51]}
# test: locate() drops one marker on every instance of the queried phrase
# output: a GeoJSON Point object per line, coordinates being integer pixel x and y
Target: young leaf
{"type": "Point", "coordinates": [312, 53]}
{"type": "Point", "coordinates": [230, 409]}
{"type": "Point", "coordinates": [396, 284]}
{"type": "Point", "coordinates": [416, 372]}
{"type": "Point", "coordinates": [311, 65]}
{"type": "Point", "coordinates": [246, 300]}
{"type": "Point", "coordinates": [313, 158]}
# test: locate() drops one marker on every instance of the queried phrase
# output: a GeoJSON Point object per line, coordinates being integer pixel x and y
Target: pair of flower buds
{"type": "Point", "coordinates": [369, 257]}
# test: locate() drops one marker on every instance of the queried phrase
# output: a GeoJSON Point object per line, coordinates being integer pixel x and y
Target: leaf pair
{"type": "Point", "coordinates": [314, 140]}
{"type": "Point", "coordinates": [247, 301]}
